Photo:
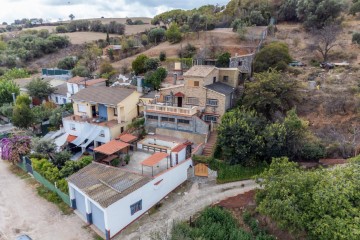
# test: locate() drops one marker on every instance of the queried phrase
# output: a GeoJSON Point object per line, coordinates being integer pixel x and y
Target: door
{"type": "Point", "coordinates": [93, 110]}
{"type": "Point", "coordinates": [97, 217]}
{"type": "Point", "coordinates": [102, 111]}
{"type": "Point", "coordinates": [180, 101]}
{"type": "Point", "coordinates": [80, 203]}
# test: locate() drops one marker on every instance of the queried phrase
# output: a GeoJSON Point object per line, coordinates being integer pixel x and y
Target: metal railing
{"type": "Point", "coordinates": [171, 109]}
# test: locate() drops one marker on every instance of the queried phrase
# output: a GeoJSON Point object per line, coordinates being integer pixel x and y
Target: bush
{"type": "Point", "coordinates": [81, 71]}
{"type": "Point", "coordinates": [67, 63]}
{"type": "Point", "coordinates": [61, 29]}
{"type": "Point", "coordinates": [151, 64]}
{"type": "Point", "coordinates": [138, 65]}
{"type": "Point", "coordinates": [173, 34]}
{"type": "Point", "coordinates": [356, 37]}
{"type": "Point", "coordinates": [273, 55]}
{"type": "Point", "coordinates": [162, 56]}
{"type": "Point", "coordinates": [156, 35]}
{"type": "Point", "coordinates": [188, 51]}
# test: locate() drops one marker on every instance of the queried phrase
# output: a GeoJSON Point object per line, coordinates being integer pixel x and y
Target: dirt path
{"type": "Point", "coordinates": [177, 208]}
{"type": "Point", "coordinates": [22, 211]}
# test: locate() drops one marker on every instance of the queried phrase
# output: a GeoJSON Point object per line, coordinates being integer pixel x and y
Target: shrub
{"type": "Point", "coordinates": [156, 35]}
{"type": "Point", "coordinates": [173, 34]}
{"type": "Point", "coordinates": [273, 55]}
{"type": "Point", "coordinates": [67, 63]}
{"type": "Point", "coordinates": [138, 65]}
{"type": "Point", "coordinates": [356, 37]}
{"type": "Point", "coordinates": [188, 51]}
{"type": "Point", "coordinates": [162, 56]}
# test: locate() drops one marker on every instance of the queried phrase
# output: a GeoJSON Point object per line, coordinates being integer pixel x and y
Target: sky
{"type": "Point", "coordinates": [54, 10]}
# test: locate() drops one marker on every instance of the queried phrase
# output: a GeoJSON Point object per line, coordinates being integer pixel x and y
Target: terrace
{"type": "Point", "coordinates": [95, 120]}
{"type": "Point", "coordinates": [186, 111]}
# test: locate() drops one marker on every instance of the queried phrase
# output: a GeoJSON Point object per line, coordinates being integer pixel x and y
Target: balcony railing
{"type": "Point", "coordinates": [171, 109]}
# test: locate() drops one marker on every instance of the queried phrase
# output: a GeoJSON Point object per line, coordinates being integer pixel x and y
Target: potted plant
{"type": "Point", "coordinates": [127, 158]}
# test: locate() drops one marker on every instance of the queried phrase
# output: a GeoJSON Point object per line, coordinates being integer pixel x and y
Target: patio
{"type": "Point", "coordinates": [136, 158]}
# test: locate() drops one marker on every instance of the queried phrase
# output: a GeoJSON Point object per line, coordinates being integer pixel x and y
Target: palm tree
{"type": "Point", "coordinates": [71, 16]}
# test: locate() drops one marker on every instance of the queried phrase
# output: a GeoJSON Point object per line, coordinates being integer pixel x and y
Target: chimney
{"type": "Point", "coordinates": [175, 78]}
{"type": "Point", "coordinates": [139, 84]}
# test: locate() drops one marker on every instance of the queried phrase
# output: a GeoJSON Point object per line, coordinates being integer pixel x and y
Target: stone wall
{"type": "Point", "coordinates": [193, 137]}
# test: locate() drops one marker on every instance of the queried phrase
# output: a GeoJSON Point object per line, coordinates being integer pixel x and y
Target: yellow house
{"type": "Point", "coordinates": [100, 114]}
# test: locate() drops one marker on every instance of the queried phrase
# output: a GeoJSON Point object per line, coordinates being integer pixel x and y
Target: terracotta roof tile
{"type": "Point", "coordinates": [76, 80]}
{"type": "Point", "coordinates": [128, 138]}
{"type": "Point", "coordinates": [111, 147]}
{"type": "Point", "coordinates": [178, 148]}
{"type": "Point", "coordinates": [93, 81]}
{"type": "Point", "coordinates": [71, 138]}
{"type": "Point", "coordinates": [154, 159]}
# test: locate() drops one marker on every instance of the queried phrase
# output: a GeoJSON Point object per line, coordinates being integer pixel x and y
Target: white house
{"type": "Point", "coordinates": [77, 83]}
{"type": "Point", "coordinates": [100, 115]}
{"type": "Point", "coordinates": [112, 198]}
{"type": "Point", "coordinates": [59, 96]}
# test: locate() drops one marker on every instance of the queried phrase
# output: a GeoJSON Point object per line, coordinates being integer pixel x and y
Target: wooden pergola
{"type": "Point", "coordinates": [112, 150]}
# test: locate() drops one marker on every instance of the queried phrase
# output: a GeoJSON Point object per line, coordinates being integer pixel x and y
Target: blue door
{"type": "Point", "coordinates": [98, 217]}
{"type": "Point", "coordinates": [80, 203]}
{"type": "Point", "coordinates": [102, 111]}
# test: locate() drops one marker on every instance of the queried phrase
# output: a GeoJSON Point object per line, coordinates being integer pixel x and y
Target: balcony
{"type": "Point", "coordinates": [95, 121]}
{"type": "Point", "coordinates": [188, 111]}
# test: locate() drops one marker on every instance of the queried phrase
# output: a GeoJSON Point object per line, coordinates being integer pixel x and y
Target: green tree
{"type": "Point", "coordinates": [355, 7]}
{"type": "Point", "coordinates": [71, 16]}
{"type": "Point", "coordinates": [59, 159]}
{"type": "Point", "coordinates": [223, 60]}
{"type": "Point", "coordinates": [273, 55]}
{"type": "Point", "coordinates": [39, 88]}
{"type": "Point", "coordinates": [318, 13]}
{"type": "Point", "coordinates": [356, 38]}
{"type": "Point", "coordinates": [15, 73]}
{"type": "Point", "coordinates": [240, 137]}
{"type": "Point", "coordinates": [156, 77]}
{"type": "Point", "coordinates": [67, 63]}
{"type": "Point", "coordinates": [23, 99]}
{"type": "Point", "coordinates": [61, 29]}
{"type": "Point", "coordinates": [22, 116]}
{"type": "Point", "coordinates": [7, 88]}
{"type": "Point", "coordinates": [80, 71]}
{"type": "Point", "coordinates": [156, 35]}
{"type": "Point", "coordinates": [272, 92]}
{"type": "Point", "coordinates": [138, 65]}
{"type": "Point", "coordinates": [173, 34]}
{"type": "Point", "coordinates": [43, 146]}
{"type": "Point", "coordinates": [162, 56]}
{"type": "Point", "coordinates": [151, 64]}
{"type": "Point", "coordinates": [327, 201]}
{"type": "Point", "coordinates": [187, 52]}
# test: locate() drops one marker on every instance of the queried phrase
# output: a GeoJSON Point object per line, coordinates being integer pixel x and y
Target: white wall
{"type": "Point", "coordinates": [76, 88]}
{"type": "Point", "coordinates": [60, 99]}
{"type": "Point", "coordinates": [181, 156]}
{"type": "Point", "coordinates": [79, 127]}
{"type": "Point", "coordinates": [118, 215]}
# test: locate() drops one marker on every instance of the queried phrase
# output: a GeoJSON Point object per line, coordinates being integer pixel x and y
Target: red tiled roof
{"type": "Point", "coordinates": [128, 138]}
{"type": "Point", "coordinates": [179, 94]}
{"type": "Point", "coordinates": [111, 147]}
{"type": "Point", "coordinates": [178, 148]}
{"type": "Point", "coordinates": [154, 159]}
{"type": "Point", "coordinates": [71, 138]}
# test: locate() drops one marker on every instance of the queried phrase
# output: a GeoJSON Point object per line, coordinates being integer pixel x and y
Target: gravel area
{"type": "Point", "coordinates": [22, 211]}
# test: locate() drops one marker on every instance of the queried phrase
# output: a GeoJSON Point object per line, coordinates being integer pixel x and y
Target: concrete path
{"type": "Point", "coordinates": [22, 211]}
{"type": "Point", "coordinates": [181, 205]}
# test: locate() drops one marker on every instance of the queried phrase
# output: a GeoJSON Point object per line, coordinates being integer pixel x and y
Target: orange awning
{"type": "Point", "coordinates": [70, 138]}
{"type": "Point", "coordinates": [154, 159]}
{"type": "Point", "coordinates": [179, 94]}
{"type": "Point", "coordinates": [128, 138]}
{"type": "Point", "coordinates": [111, 147]}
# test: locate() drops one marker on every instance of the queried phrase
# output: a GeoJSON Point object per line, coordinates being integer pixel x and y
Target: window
{"type": "Point", "coordinates": [72, 126]}
{"type": "Point", "coordinates": [167, 119]}
{"type": "Point", "coordinates": [136, 207]}
{"type": "Point", "coordinates": [211, 102]}
{"type": "Point", "coordinates": [56, 99]}
{"type": "Point", "coordinates": [210, 118]}
{"type": "Point", "coordinates": [240, 63]}
{"type": "Point", "coordinates": [192, 101]}
{"type": "Point", "coordinates": [168, 98]}
{"type": "Point", "coordinates": [115, 112]}
{"type": "Point", "coordinates": [214, 79]}
{"type": "Point", "coordinates": [183, 121]}
{"type": "Point", "coordinates": [226, 79]}
{"type": "Point", "coordinates": [151, 117]}
{"type": "Point", "coordinates": [81, 108]}
{"type": "Point", "coordinates": [196, 83]}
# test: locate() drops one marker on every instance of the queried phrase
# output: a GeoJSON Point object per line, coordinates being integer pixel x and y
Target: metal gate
{"type": "Point", "coordinates": [80, 203]}
{"type": "Point", "coordinates": [28, 165]}
{"type": "Point", "coordinates": [97, 217]}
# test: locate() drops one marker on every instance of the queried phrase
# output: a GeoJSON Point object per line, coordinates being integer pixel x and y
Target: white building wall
{"type": "Point", "coordinates": [181, 156]}
{"type": "Point", "coordinates": [60, 100]}
{"type": "Point", "coordinates": [119, 214]}
{"type": "Point", "coordinates": [80, 127]}
{"type": "Point", "coordinates": [71, 87]}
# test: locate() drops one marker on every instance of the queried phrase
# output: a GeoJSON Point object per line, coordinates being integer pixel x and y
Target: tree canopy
{"type": "Point", "coordinates": [39, 88]}
{"type": "Point", "coordinates": [324, 203]}
{"type": "Point", "coordinates": [138, 65]}
{"type": "Point", "coordinates": [273, 55]}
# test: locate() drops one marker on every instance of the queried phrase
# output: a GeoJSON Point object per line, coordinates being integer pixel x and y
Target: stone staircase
{"type": "Point", "coordinates": [210, 145]}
